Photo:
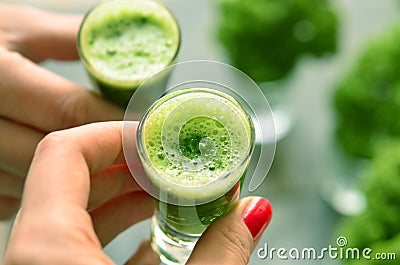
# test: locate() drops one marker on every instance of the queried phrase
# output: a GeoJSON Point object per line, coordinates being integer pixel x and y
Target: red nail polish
{"type": "Point", "coordinates": [257, 216]}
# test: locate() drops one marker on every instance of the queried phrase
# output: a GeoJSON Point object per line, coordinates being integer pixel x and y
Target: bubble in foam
{"type": "Point", "coordinates": [208, 147]}
{"type": "Point", "coordinates": [224, 151]}
{"type": "Point", "coordinates": [160, 155]}
{"type": "Point", "coordinates": [204, 141]}
{"type": "Point", "coordinates": [218, 124]}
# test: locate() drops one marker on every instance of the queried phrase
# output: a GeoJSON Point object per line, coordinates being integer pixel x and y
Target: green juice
{"type": "Point", "coordinates": [122, 43]}
{"type": "Point", "coordinates": [195, 147]}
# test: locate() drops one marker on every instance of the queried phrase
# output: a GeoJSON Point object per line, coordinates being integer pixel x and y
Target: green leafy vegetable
{"type": "Point", "coordinates": [264, 38]}
{"type": "Point", "coordinates": [378, 226]}
{"type": "Point", "coordinates": [367, 101]}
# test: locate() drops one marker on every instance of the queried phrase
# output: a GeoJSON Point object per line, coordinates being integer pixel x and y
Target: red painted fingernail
{"type": "Point", "coordinates": [257, 216]}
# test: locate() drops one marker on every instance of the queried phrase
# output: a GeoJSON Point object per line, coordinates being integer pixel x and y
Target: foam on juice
{"type": "Point", "coordinates": [193, 139]}
{"type": "Point", "coordinates": [126, 42]}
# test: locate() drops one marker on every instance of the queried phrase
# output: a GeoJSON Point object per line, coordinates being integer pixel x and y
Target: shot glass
{"type": "Point", "coordinates": [124, 42]}
{"type": "Point", "coordinates": [195, 145]}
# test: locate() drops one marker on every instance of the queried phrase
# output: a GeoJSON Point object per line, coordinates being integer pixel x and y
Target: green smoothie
{"type": "Point", "coordinates": [196, 147]}
{"type": "Point", "coordinates": [122, 43]}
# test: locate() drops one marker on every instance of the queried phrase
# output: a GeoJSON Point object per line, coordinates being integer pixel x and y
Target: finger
{"type": "Point", "coordinates": [144, 255]}
{"type": "Point", "coordinates": [39, 34]}
{"type": "Point", "coordinates": [11, 185]}
{"type": "Point", "coordinates": [231, 239]}
{"type": "Point", "coordinates": [37, 97]}
{"type": "Point", "coordinates": [109, 183]}
{"type": "Point", "coordinates": [118, 214]}
{"type": "Point", "coordinates": [50, 239]}
{"type": "Point", "coordinates": [8, 207]}
{"type": "Point", "coordinates": [59, 173]}
{"type": "Point", "coordinates": [56, 41]}
{"type": "Point", "coordinates": [17, 145]}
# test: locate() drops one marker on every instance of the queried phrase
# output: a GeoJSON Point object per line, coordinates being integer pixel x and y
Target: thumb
{"type": "Point", "coordinates": [231, 239]}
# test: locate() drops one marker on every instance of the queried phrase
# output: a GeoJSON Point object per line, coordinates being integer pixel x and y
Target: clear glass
{"type": "Point", "coordinates": [188, 204]}
{"type": "Point", "coordinates": [177, 226]}
{"type": "Point", "coordinates": [176, 229]}
{"type": "Point", "coordinates": [122, 43]}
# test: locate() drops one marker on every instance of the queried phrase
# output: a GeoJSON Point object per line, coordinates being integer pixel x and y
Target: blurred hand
{"type": "Point", "coordinates": [81, 166]}
{"type": "Point", "coordinates": [34, 101]}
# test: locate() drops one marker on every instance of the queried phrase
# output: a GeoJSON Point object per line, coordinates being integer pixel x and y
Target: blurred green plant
{"type": "Point", "coordinates": [378, 227]}
{"type": "Point", "coordinates": [367, 101]}
{"type": "Point", "coordinates": [264, 38]}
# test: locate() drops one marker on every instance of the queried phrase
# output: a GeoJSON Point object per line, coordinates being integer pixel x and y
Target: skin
{"type": "Point", "coordinates": [54, 225]}
{"type": "Point", "coordinates": [77, 190]}
{"type": "Point", "coordinates": [35, 101]}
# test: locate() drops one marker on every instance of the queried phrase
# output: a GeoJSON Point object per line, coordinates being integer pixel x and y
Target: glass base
{"type": "Point", "coordinates": [172, 246]}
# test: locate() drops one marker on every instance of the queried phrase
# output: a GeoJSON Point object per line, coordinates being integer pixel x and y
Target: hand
{"type": "Point", "coordinates": [82, 166]}
{"type": "Point", "coordinates": [34, 101]}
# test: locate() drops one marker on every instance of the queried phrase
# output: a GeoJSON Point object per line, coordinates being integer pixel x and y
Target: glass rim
{"type": "Point", "coordinates": [225, 175]}
{"type": "Point", "coordinates": [222, 78]}
{"type": "Point", "coordinates": [130, 83]}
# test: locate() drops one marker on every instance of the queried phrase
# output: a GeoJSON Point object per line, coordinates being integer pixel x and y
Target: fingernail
{"type": "Point", "coordinates": [257, 216]}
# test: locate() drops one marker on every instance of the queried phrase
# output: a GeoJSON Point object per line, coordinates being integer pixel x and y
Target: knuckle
{"type": "Point", "coordinates": [50, 141]}
{"type": "Point", "coordinates": [75, 109]}
{"type": "Point", "coordinates": [235, 243]}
